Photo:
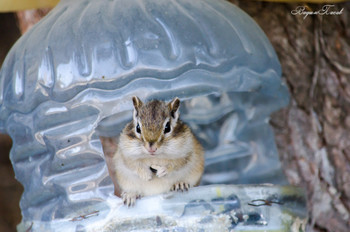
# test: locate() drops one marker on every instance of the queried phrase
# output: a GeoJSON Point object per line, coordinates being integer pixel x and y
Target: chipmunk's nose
{"type": "Point", "coordinates": [151, 147]}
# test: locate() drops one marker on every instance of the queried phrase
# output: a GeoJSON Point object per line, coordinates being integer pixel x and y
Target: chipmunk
{"type": "Point", "coordinates": [157, 152]}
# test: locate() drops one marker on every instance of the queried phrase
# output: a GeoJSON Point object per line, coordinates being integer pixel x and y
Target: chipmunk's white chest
{"type": "Point", "coordinates": [156, 185]}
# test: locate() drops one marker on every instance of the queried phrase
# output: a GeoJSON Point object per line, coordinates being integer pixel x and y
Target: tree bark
{"type": "Point", "coordinates": [313, 132]}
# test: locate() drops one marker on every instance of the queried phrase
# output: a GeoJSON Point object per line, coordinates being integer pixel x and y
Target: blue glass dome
{"type": "Point", "coordinates": [70, 79]}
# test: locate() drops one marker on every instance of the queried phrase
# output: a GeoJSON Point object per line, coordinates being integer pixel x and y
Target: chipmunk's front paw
{"type": "Point", "coordinates": [161, 170]}
{"type": "Point", "coordinates": [129, 199]}
{"type": "Point", "coordinates": [181, 186]}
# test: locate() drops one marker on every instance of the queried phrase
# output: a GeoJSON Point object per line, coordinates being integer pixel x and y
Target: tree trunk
{"type": "Point", "coordinates": [313, 132]}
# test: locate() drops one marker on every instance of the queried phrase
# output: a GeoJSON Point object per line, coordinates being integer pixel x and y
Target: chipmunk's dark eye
{"type": "Point", "coordinates": [167, 128]}
{"type": "Point", "coordinates": [138, 129]}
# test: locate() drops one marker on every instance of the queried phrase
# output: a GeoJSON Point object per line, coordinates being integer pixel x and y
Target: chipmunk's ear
{"type": "Point", "coordinates": [137, 104]}
{"type": "Point", "coordinates": [174, 108]}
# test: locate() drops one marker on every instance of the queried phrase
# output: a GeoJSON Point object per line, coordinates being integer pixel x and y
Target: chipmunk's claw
{"type": "Point", "coordinates": [129, 199]}
{"type": "Point", "coordinates": [181, 186]}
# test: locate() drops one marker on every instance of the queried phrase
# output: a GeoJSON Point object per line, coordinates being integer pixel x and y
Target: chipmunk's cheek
{"type": "Point", "coordinates": [144, 150]}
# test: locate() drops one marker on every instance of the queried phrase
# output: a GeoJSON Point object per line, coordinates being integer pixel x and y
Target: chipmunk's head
{"type": "Point", "coordinates": [154, 123]}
